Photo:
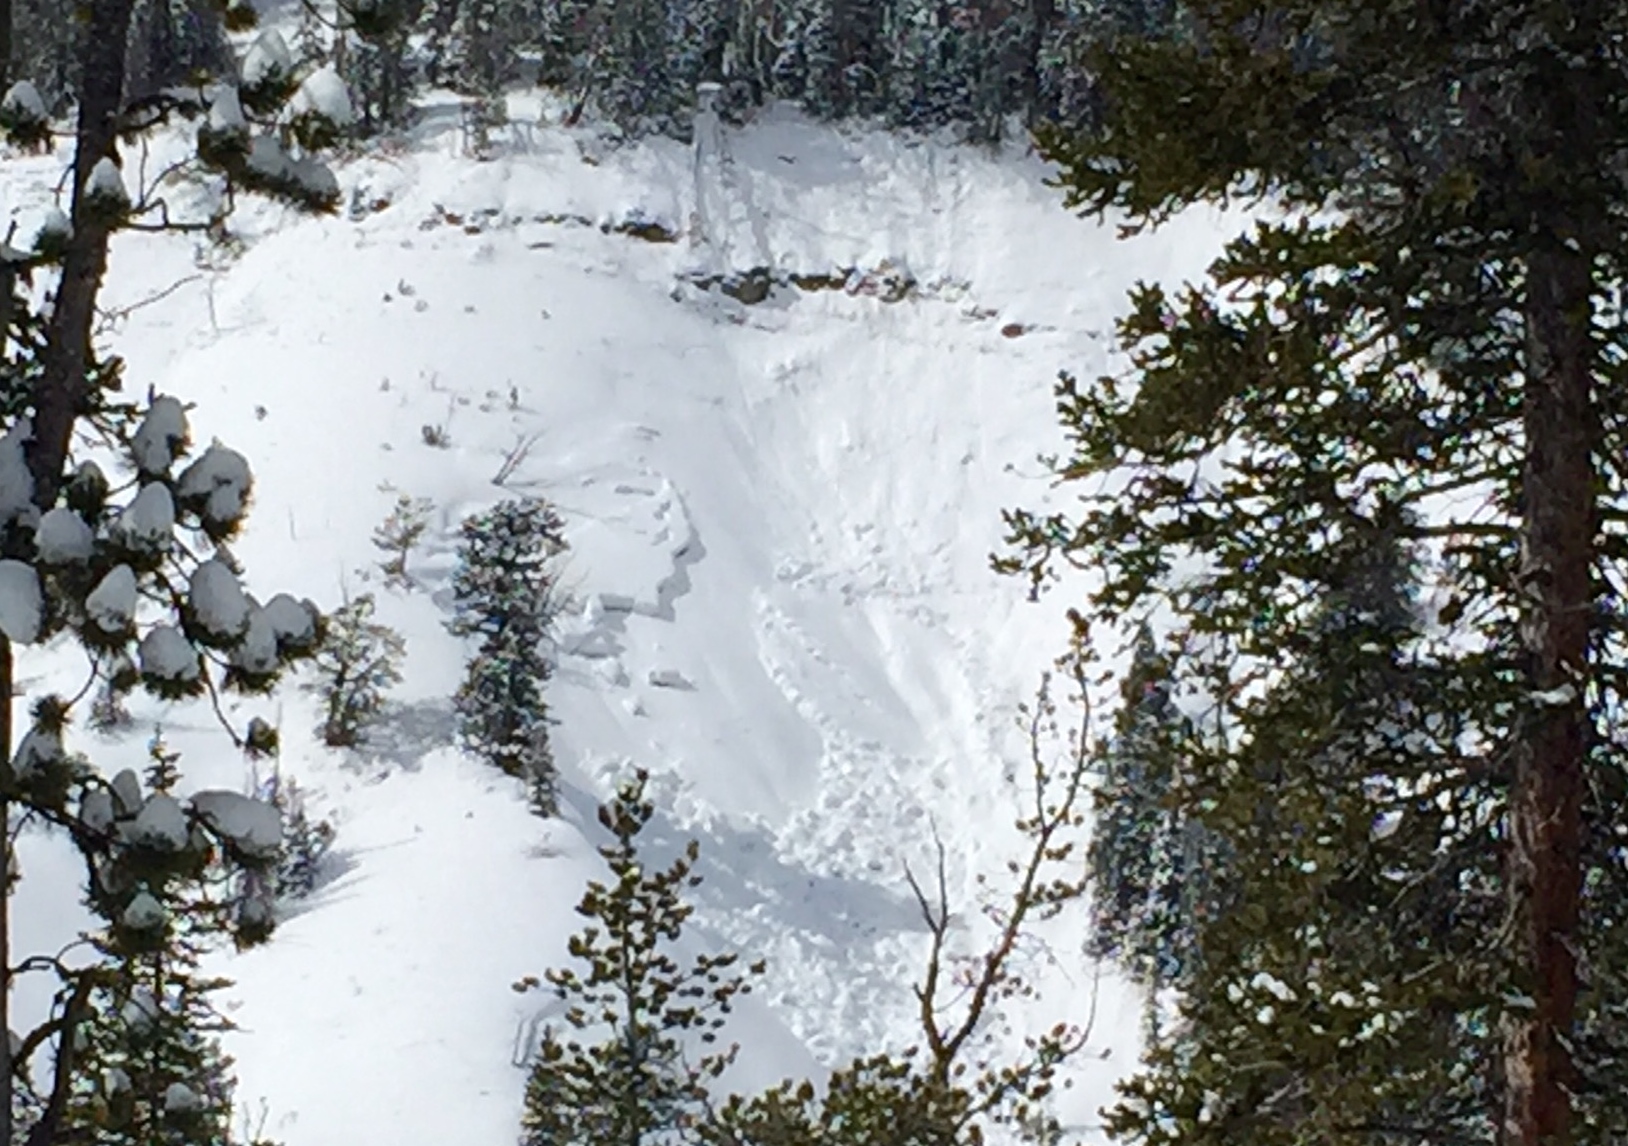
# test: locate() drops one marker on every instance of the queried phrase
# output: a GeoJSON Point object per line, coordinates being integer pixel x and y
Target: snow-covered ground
{"type": "Point", "coordinates": [780, 600]}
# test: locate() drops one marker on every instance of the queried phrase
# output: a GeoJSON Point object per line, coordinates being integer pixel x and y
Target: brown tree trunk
{"type": "Point", "coordinates": [68, 357]}
{"type": "Point", "coordinates": [1557, 550]}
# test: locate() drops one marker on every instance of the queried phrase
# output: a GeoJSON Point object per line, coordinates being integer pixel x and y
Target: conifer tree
{"type": "Point", "coordinates": [1152, 868]}
{"type": "Point", "coordinates": [150, 1067]}
{"type": "Point", "coordinates": [398, 535]}
{"type": "Point", "coordinates": [504, 595]}
{"type": "Point", "coordinates": [136, 568]}
{"type": "Point", "coordinates": [357, 663]}
{"type": "Point", "coordinates": [1423, 347]}
{"type": "Point", "coordinates": [633, 1066]}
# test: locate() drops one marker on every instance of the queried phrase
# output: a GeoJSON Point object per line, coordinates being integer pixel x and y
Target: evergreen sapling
{"type": "Point", "coordinates": [504, 595]}
{"type": "Point", "coordinates": [356, 665]}
{"type": "Point", "coordinates": [641, 1043]}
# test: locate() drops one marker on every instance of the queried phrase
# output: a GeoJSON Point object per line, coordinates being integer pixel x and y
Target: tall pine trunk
{"type": "Point", "coordinates": [68, 355]}
{"type": "Point", "coordinates": [1546, 826]}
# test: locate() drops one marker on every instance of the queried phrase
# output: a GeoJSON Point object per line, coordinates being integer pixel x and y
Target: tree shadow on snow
{"type": "Point", "coordinates": [407, 733]}
{"type": "Point", "coordinates": [741, 870]}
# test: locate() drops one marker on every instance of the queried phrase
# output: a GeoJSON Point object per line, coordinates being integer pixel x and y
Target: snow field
{"type": "Point", "coordinates": [777, 600]}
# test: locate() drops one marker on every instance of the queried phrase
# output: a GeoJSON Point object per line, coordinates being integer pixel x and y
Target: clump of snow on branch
{"type": "Point", "coordinates": [254, 826]}
{"type": "Point", "coordinates": [64, 538]}
{"type": "Point", "coordinates": [161, 438]}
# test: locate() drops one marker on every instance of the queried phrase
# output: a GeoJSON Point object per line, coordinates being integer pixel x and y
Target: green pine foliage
{"type": "Point", "coordinates": [640, 1040]}
{"type": "Point", "coordinates": [504, 596]}
{"type": "Point", "coordinates": [1417, 354]}
{"type": "Point", "coordinates": [353, 671]}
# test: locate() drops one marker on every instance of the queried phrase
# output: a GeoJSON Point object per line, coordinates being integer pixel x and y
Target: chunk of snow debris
{"type": "Point", "coordinates": [16, 482]}
{"type": "Point", "coordinates": [64, 538]}
{"type": "Point", "coordinates": [126, 789]}
{"type": "Point", "coordinates": [1556, 697]}
{"type": "Point", "coordinates": [1265, 1015]}
{"type": "Point", "coordinates": [161, 823]}
{"type": "Point", "coordinates": [96, 810]}
{"type": "Point", "coordinates": [161, 437]}
{"type": "Point", "coordinates": [323, 93]}
{"type": "Point", "coordinates": [216, 486]}
{"type": "Point", "coordinates": [253, 825]}
{"type": "Point", "coordinates": [267, 58]}
{"type": "Point", "coordinates": [106, 183]}
{"type": "Point", "coordinates": [22, 100]}
{"type": "Point", "coordinates": [166, 654]}
{"type": "Point", "coordinates": [1342, 999]}
{"type": "Point", "coordinates": [226, 112]}
{"type": "Point", "coordinates": [256, 653]}
{"type": "Point", "coordinates": [1273, 986]}
{"type": "Point", "coordinates": [144, 912]}
{"type": "Point", "coordinates": [21, 603]}
{"type": "Point", "coordinates": [1385, 825]}
{"type": "Point", "coordinates": [217, 600]}
{"type": "Point", "coordinates": [56, 224]}
{"type": "Point", "coordinates": [115, 1081]}
{"type": "Point", "coordinates": [293, 621]}
{"type": "Point", "coordinates": [41, 748]}
{"type": "Point", "coordinates": [669, 678]}
{"type": "Point", "coordinates": [181, 1098]}
{"type": "Point", "coordinates": [147, 522]}
{"type": "Point", "coordinates": [111, 606]}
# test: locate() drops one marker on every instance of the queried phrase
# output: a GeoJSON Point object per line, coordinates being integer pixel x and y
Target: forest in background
{"type": "Point", "coordinates": [986, 67]}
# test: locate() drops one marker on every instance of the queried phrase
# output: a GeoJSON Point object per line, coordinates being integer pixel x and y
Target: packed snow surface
{"type": "Point", "coordinates": [777, 598]}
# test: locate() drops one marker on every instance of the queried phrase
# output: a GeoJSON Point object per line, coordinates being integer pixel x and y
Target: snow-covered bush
{"type": "Point", "coordinates": [357, 663]}
{"type": "Point", "coordinates": [504, 595]}
{"type": "Point", "coordinates": [398, 535]}
{"type": "Point", "coordinates": [149, 1066]}
{"type": "Point", "coordinates": [23, 117]}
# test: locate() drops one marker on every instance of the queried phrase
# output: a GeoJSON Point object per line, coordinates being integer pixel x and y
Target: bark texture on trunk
{"type": "Point", "coordinates": [1557, 551]}
{"type": "Point", "coordinates": [63, 386]}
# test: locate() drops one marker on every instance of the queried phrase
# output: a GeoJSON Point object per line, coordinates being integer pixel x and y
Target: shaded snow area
{"type": "Point", "coordinates": [778, 593]}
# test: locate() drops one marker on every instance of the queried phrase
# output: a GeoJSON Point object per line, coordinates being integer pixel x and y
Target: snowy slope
{"type": "Point", "coordinates": [780, 516]}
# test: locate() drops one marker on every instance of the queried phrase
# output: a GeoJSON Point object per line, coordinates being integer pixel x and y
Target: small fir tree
{"type": "Point", "coordinates": [307, 840]}
{"type": "Point", "coordinates": [622, 1074]}
{"type": "Point", "coordinates": [398, 535]}
{"type": "Point", "coordinates": [357, 664]}
{"type": "Point", "coordinates": [504, 595]}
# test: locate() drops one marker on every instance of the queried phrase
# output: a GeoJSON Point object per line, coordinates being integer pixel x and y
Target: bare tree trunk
{"type": "Point", "coordinates": [63, 385]}
{"type": "Point", "coordinates": [1546, 825]}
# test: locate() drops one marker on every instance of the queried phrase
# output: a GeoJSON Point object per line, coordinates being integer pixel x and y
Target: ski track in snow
{"type": "Point", "coordinates": [777, 598]}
